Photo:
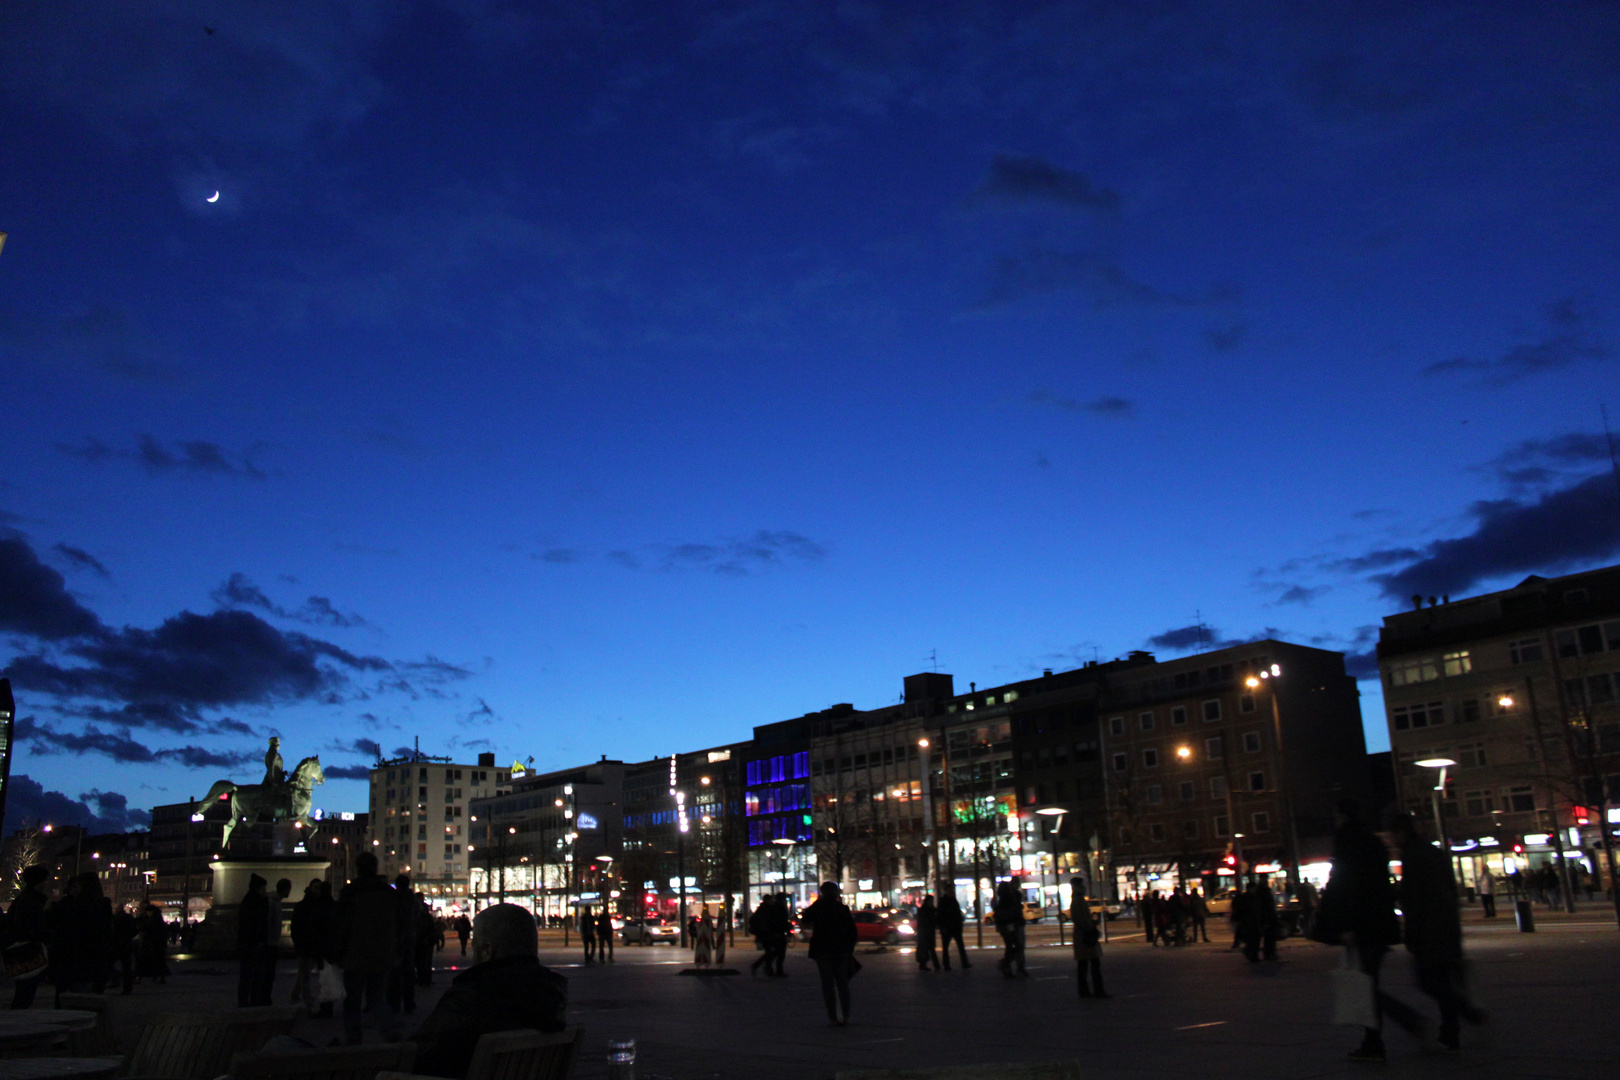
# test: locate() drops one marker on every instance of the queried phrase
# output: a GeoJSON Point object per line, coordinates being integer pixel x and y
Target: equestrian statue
{"type": "Point", "coordinates": [278, 797]}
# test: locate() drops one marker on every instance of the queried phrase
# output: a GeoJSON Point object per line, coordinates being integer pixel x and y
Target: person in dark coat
{"type": "Point", "coordinates": [832, 947]}
{"type": "Point", "coordinates": [252, 928]}
{"type": "Point", "coordinates": [1358, 912]}
{"type": "Point", "coordinates": [604, 935]}
{"type": "Point", "coordinates": [270, 951]}
{"type": "Point", "coordinates": [366, 943]}
{"type": "Point", "coordinates": [311, 930]}
{"type": "Point", "coordinates": [429, 937]}
{"type": "Point", "coordinates": [402, 979]}
{"type": "Point", "coordinates": [778, 928]}
{"type": "Point", "coordinates": [152, 955]}
{"type": "Point", "coordinates": [951, 921]}
{"type": "Point", "coordinates": [27, 924]}
{"type": "Point", "coordinates": [1257, 922]}
{"type": "Point", "coordinates": [1087, 942]}
{"type": "Point", "coordinates": [124, 931]}
{"type": "Point", "coordinates": [506, 989]}
{"type": "Point", "coordinates": [587, 932]}
{"type": "Point", "coordinates": [1009, 916]}
{"type": "Point", "coordinates": [463, 928]}
{"type": "Point", "coordinates": [1198, 912]}
{"type": "Point", "coordinates": [927, 930]}
{"type": "Point", "coordinates": [80, 929]}
{"type": "Point", "coordinates": [757, 926]}
{"type": "Point", "coordinates": [1433, 927]}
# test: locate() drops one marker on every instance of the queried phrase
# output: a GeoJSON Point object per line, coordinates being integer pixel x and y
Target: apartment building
{"type": "Point", "coordinates": [419, 821]}
{"type": "Point", "coordinates": [778, 813]}
{"type": "Point", "coordinates": [1519, 690]}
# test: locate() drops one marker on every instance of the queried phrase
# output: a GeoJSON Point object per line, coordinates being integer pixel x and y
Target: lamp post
{"type": "Point", "coordinates": [1442, 764]}
{"type": "Point", "coordinates": [1268, 677]}
{"type": "Point", "coordinates": [680, 859]}
{"type": "Point", "coordinates": [1057, 826]}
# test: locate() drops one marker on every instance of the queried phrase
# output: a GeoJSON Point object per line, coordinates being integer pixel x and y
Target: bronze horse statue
{"type": "Point", "coordinates": [290, 800]}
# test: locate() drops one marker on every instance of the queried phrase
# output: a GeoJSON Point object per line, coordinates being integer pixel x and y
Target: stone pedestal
{"type": "Point", "coordinates": [216, 937]}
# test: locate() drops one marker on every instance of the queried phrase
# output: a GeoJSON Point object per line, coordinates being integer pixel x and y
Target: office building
{"type": "Point", "coordinates": [419, 822]}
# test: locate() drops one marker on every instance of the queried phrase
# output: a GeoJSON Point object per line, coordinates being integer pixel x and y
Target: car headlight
{"type": "Point", "coordinates": [905, 928]}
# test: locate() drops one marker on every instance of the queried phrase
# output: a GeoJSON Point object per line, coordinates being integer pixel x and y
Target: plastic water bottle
{"type": "Point", "coordinates": [621, 1059]}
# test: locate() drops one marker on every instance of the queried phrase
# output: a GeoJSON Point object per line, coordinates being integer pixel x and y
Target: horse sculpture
{"type": "Point", "coordinates": [290, 800]}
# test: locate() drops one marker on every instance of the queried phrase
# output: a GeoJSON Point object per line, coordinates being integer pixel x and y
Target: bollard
{"type": "Point", "coordinates": [621, 1059]}
{"type": "Point", "coordinates": [1524, 916]}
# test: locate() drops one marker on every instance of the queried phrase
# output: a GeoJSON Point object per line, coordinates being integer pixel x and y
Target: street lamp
{"type": "Point", "coordinates": [1057, 826]}
{"type": "Point", "coordinates": [1254, 682]}
{"type": "Point", "coordinates": [1441, 763]}
{"type": "Point", "coordinates": [1506, 702]}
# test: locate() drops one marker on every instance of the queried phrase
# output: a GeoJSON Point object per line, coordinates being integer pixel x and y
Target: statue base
{"type": "Point", "coordinates": [216, 937]}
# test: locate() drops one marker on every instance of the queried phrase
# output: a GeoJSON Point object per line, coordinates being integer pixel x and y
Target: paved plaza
{"type": "Point", "coordinates": [1197, 1011]}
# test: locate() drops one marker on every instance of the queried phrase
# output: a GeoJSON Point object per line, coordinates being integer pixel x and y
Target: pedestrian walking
{"type": "Point", "coordinates": [1306, 895]}
{"type": "Point", "coordinates": [1150, 917]}
{"type": "Point", "coordinates": [1009, 917]}
{"type": "Point", "coordinates": [779, 928]}
{"type": "Point", "coordinates": [1358, 912]}
{"type": "Point", "coordinates": [1433, 928]}
{"type": "Point", "coordinates": [252, 928]}
{"type": "Point", "coordinates": [1087, 942]}
{"type": "Point", "coordinates": [311, 927]}
{"type": "Point", "coordinates": [587, 932]}
{"type": "Point", "coordinates": [927, 931]}
{"type": "Point", "coordinates": [757, 923]}
{"type": "Point", "coordinates": [366, 942]}
{"type": "Point", "coordinates": [604, 936]}
{"type": "Point", "coordinates": [125, 929]}
{"type": "Point", "coordinates": [152, 953]}
{"type": "Point", "coordinates": [951, 921]}
{"type": "Point", "coordinates": [1486, 888]}
{"type": "Point", "coordinates": [26, 924]}
{"type": "Point", "coordinates": [1198, 912]}
{"type": "Point", "coordinates": [270, 950]}
{"type": "Point", "coordinates": [463, 928]}
{"type": "Point", "coordinates": [832, 947]}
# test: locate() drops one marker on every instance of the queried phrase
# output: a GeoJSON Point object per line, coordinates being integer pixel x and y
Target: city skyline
{"type": "Point", "coordinates": [562, 383]}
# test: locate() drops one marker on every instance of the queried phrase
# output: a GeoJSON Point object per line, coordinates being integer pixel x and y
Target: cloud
{"type": "Point", "coordinates": [728, 556]}
{"type": "Point", "coordinates": [81, 559]}
{"type": "Point", "coordinates": [34, 601]}
{"type": "Point", "coordinates": [1102, 406]}
{"type": "Point", "coordinates": [96, 810]}
{"type": "Point", "coordinates": [560, 555]}
{"type": "Point", "coordinates": [1559, 530]}
{"type": "Point", "coordinates": [1196, 638]}
{"type": "Point", "coordinates": [1227, 338]}
{"type": "Point", "coordinates": [1301, 594]}
{"type": "Point", "coordinates": [122, 747]}
{"type": "Point", "coordinates": [433, 670]}
{"type": "Point", "coordinates": [101, 339]}
{"type": "Point", "coordinates": [1040, 270]}
{"type": "Point", "coordinates": [194, 457]}
{"type": "Point", "coordinates": [1571, 342]}
{"type": "Point", "coordinates": [239, 591]}
{"type": "Point", "coordinates": [481, 715]}
{"type": "Point", "coordinates": [347, 772]}
{"type": "Point", "coordinates": [1535, 463]}
{"type": "Point", "coordinates": [1016, 179]}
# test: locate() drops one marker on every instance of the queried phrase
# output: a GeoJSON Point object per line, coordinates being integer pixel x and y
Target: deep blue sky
{"type": "Point", "coordinates": [580, 379]}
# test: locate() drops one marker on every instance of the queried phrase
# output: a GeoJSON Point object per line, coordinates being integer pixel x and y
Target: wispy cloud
{"type": "Point", "coordinates": [80, 559]}
{"type": "Point", "coordinates": [239, 591]}
{"type": "Point", "coordinates": [738, 556]}
{"type": "Point", "coordinates": [1571, 340]}
{"type": "Point", "coordinates": [195, 457]}
{"type": "Point", "coordinates": [1025, 180]}
{"type": "Point", "coordinates": [1101, 406]}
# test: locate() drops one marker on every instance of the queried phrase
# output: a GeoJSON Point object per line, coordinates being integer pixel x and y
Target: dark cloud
{"type": "Point", "coordinates": [481, 715]}
{"type": "Point", "coordinates": [1041, 270]}
{"type": "Point", "coordinates": [625, 559]}
{"type": "Point", "coordinates": [96, 810]}
{"type": "Point", "coordinates": [239, 591]}
{"type": "Point", "coordinates": [102, 339]}
{"type": "Point", "coordinates": [1034, 180]}
{"type": "Point", "coordinates": [1535, 463]}
{"type": "Point", "coordinates": [121, 747]}
{"type": "Point", "coordinates": [1559, 530]}
{"type": "Point", "coordinates": [1301, 594]}
{"type": "Point", "coordinates": [34, 601]}
{"type": "Point", "coordinates": [728, 556]}
{"type": "Point", "coordinates": [195, 457]}
{"type": "Point", "coordinates": [560, 555]}
{"type": "Point", "coordinates": [1102, 406]}
{"type": "Point", "coordinates": [1571, 342]}
{"type": "Point", "coordinates": [433, 670]}
{"type": "Point", "coordinates": [81, 559]}
{"type": "Point", "coordinates": [347, 772]}
{"type": "Point", "coordinates": [1195, 638]}
{"type": "Point", "coordinates": [1226, 338]}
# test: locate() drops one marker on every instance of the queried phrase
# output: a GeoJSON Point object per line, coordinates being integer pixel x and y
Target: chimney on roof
{"type": "Point", "coordinates": [1417, 602]}
{"type": "Point", "coordinates": [1046, 673]}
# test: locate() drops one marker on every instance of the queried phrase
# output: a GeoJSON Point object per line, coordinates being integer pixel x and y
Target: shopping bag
{"type": "Point", "coordinates": [330, 985]}
{"type": "Point", "coordinates": [1353, 995]}
{"type": "Point", "coordinates": [26, 960]}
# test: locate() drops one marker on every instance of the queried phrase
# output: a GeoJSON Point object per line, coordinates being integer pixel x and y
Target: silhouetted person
{"type": "Point", "coordinates": [757, 926]}
{"type": "Point", "coordinates": [152, 955]}
{"type": "Point", "coordinates": [1306, 895]}
{"type": "Point", "coordinates": [1087, 942]}
{"type": "Point", "coordinates": [366, 942]}
{"type": "Point", "coordinates": [1486, 888]}
{"type": "Point", "coordinates": [1009, 916]}
{"type": "Point", "coordinates": [463, 928]}
{"type": "Point", "coordinates": [587, 932]}
{"type": "Point", "coordinates": [270, 951]}
{"type": "Point", "coordinates": [124, 931]}
{"type": "Point", "coordinates": [1198, 912]}
{"type": "Point", "coordinates": [402, 979]}
{"type": "Point", "coordinates": [1358, 911]}
{"type": "Point", "coordinates": [506, 989]}
{"type": "Point", "coordinates": [927, 930]}
{"type": "Point", "coordinates": [832, 947]}
{"type": "Point", "coordinates": [252, 928]}
{"type": "Point", "coordinates": [951, 921]}
{"type": "Point", "coordinates": [311, 934]}
{"type": "Point", "coordinates": [604, 936]}
{"type": "Point", "coordinates": [1433, 928]}
{"type": "Point", "coordinates": [779, 929]}
{"type": "Point", "coordinates": [26, 923]}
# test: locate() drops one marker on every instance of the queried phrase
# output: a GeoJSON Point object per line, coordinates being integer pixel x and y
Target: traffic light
{"type": "Point", "coordinates": [1230, 859]}
{"type": "Point", "coordinates": [1518, 849]}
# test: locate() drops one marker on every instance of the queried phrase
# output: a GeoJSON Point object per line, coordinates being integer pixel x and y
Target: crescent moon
{"type": "Point", "coordinates": [212, 198]}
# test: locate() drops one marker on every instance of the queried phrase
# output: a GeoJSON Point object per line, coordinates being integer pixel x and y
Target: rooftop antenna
{"type": "Point", "coordinates": [1203, 631]}
{"type": "Point", "coordinates": [933, 660]}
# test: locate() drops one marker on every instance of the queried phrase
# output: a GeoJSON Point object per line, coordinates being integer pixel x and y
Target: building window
{"type": "Point", "coordinates": [1458, 663]}
{"type": "Point", "coordinates": [1525, 651]}
{"type": "Point", "coordinates": [1146, 720]}
{"type": "Point", "coordinates": [1215, 747]}
{"type": "Point", "coordinates": [1257, 781]}
{"type": "Point", "coordinates": [1217, 787]}
{"type": "Point", "coordinates": [1261, 821]}
{"type": "Point", "coordinates": [1155, 794]}
{"type": "Point", "coordinates": [1478, 803]}
{"type": "Point", "coordinates": [1407, 672]}
{"type": "Point", "coordinates": [1156, 832]}
{"type": "Point", "coordinates": [1586, 640]}
{"type": "Point", "coordinates": [1178, 715]}
{"type": "Point", "coordinates": [1212, 711]}
{"type": "Point", "coordinates": [1189, 791]}
{"type": "Point", "coordinates": [1220, 825]}
{"type": "Point", "coordinates": [1116, 725]}
{"type": "Point", "coordinates": [1119, 762]}
{"type": "Point", "coordinates": [1412, 717]}
{"type": "Point", "coordinates": [1150, 758]}
{"type": "Point", "coordinates": [1471, 755]}
{"type": "Point", "coordinates": [1468, 711]}
{"type": "Point", "coordinates": [1009, 697]}
{"type": "Point", "coordinates": [1251, 742]}
{"type": "Point", "coordinates": [1521, 800]}
{"type": "Point", "coordinates": [1245, 703]}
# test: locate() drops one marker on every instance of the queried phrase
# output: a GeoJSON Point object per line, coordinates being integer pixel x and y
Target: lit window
{"type": "Point", "coordinates": [1010, 696]}
{"type": "Point", "coordinates": [1458, 663]}
{"type": "Point", "coordinates": [1407, 672]}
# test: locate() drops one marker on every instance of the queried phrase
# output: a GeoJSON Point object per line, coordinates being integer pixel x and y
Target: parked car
{"type": "Point", "coordinates": [884, 927]}
{"type": "Point", "coordinates": [651, 931]}
{"type": "Point", "coordinates": [1104, 909]}
{"type": "Point", "coordinates": [1032, 914]}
